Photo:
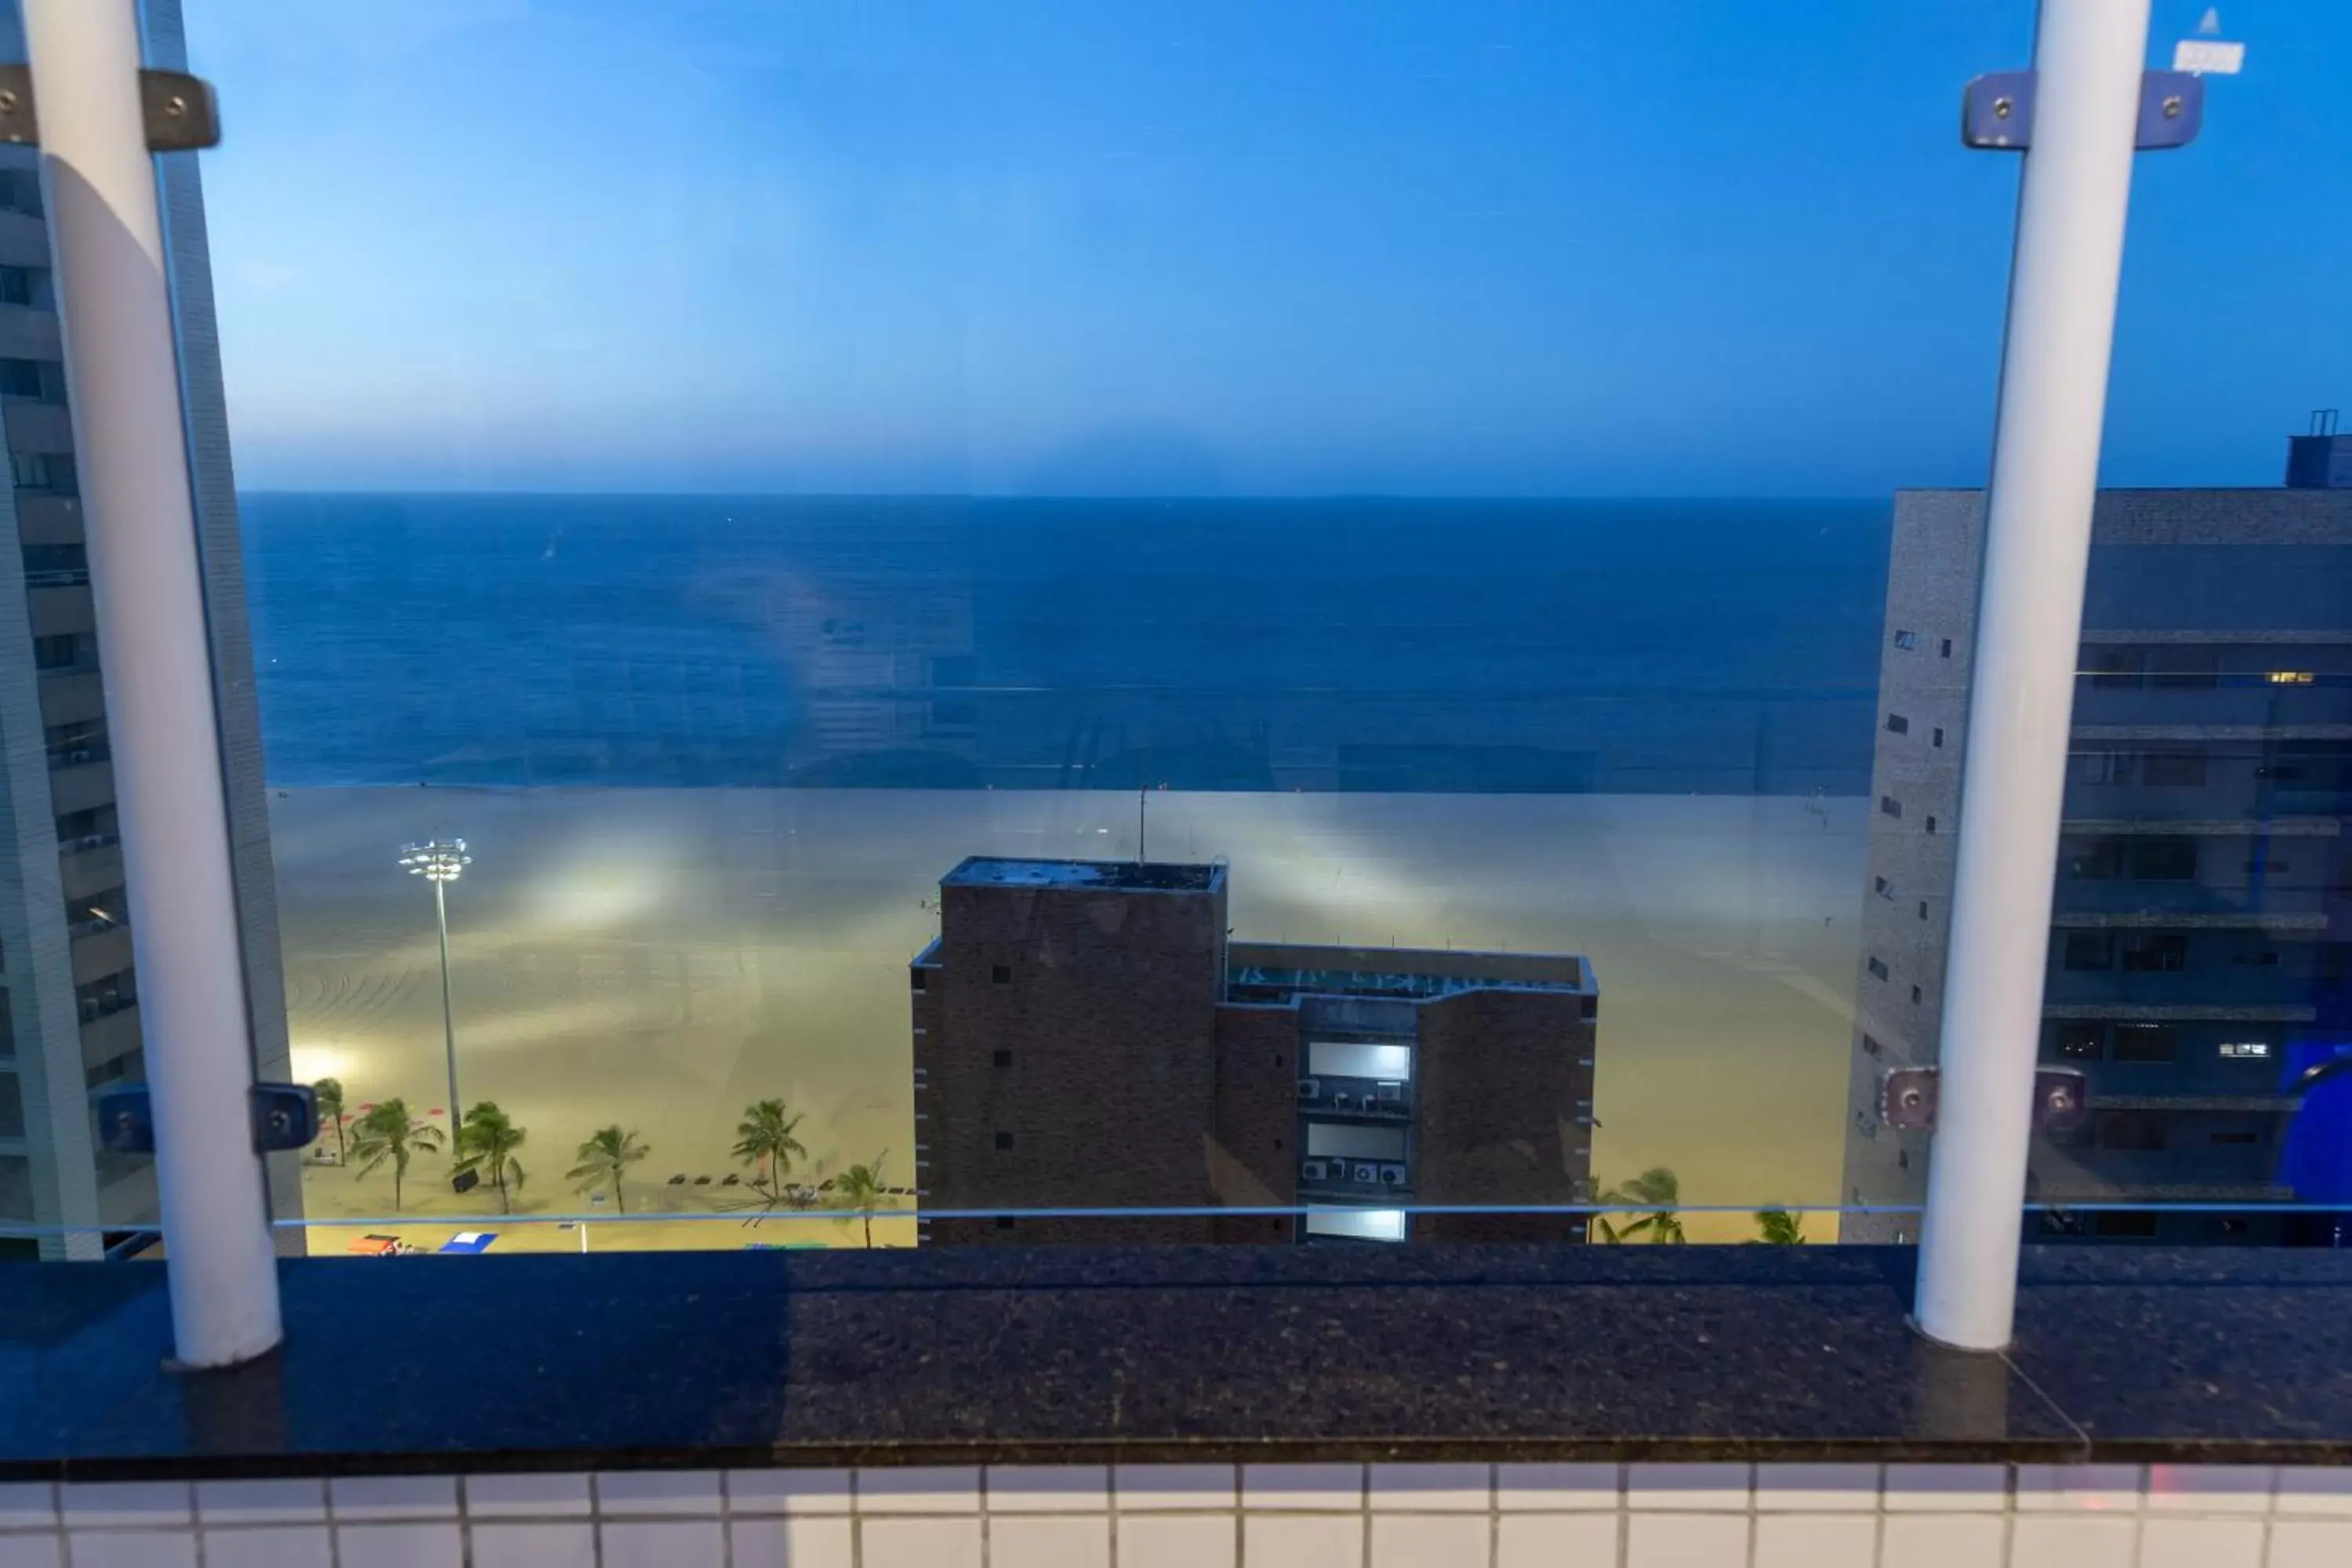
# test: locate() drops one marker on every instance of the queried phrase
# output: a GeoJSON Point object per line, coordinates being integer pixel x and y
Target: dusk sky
{"type": "Point", "coordinates": [1097, 246]}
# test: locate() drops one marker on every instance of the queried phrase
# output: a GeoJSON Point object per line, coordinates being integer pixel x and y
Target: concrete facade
{"type": "Point", "coordinates": [2199, 938]}
{"type": "Point", "coordinates": [1088, 1037]}
{"type": "Point", "coordinates": [71, 990]}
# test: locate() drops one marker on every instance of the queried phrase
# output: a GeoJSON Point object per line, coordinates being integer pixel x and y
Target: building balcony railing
{"type": "Point", "coordinates": [1338, 1177]}
{"type": "Point", "coordinates": [1356, 1098]}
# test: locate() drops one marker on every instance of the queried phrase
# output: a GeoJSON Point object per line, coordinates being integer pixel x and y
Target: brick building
{"type": "Point", "coordinates": [2200, 949]}
{"type": "Point", "coordinates": [1088, 1036]}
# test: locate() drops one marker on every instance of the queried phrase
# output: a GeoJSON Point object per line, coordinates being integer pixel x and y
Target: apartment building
{"type": "Point", "coordinates": [71, 1019]}
{"type": "Point", "coordinates": [2201, 949]}
{"type": "Point", "coordinates": [1087, 1035]}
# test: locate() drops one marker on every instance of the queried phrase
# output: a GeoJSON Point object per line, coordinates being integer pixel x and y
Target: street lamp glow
{"type": "Point", "coordinates": [437, 860]}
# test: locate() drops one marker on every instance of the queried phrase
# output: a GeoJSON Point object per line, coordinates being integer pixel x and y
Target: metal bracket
{"type": "Point", "coordinates": [284, 1116]}
{"type": "Point", "coordinates": [182, 114]}
{"type": "Point", "coordinates": [1997, 111]}
{"type": "Point", "coordinates": [1907, 1099]}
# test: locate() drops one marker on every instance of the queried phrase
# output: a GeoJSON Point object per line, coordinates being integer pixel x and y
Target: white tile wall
{"type": "Point", "coordinates": [800, 1543]}
{"type": "Point", "coordinates": [1814, 1541]}
{"type": "Point", "coordinates": [1178, 1541]}
{"type": "Point", "coordinates": [1686, 1539]}
{"type": "Point", "coordinates": [2310, 1543]}
{"type": "Point", "coordinates": [1640, 1515]}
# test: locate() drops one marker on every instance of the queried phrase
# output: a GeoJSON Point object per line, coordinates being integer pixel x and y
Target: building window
{"type": "Point", "coordinates": [1877, 969]}
{"type": "Point", "coordinates": [917, 980]}
{"type": "Point", "coordinates": [1907, 639]}
{"type": "Point", "coordinates": [2237, 1138]}
{"type": "Point", "coordinates": [1889, 807]}
{"type": "Point", "coordinates": [1938, 739]}
{"type": "Point", "coordinates": [2267, 957]}
{"type": "Point", "coordinates": [2105, 767]}
{"type": "Point", "coordinates": [41, 379]}
{"type": "Point", "coordinates": [2185, 668]}
{"type": "Point", "coordinates": [1886, 889]}
{"type": "Point", "coordinates": [2165, 859]}
{"type": "Point", "coordinates": [20, 191]}
{"type": "Point", "coordinates": [2090, 949]}
{"type": "Point", "coordinates": [2246, 1050]}
{"type": "Point", "coordinates": [62, 651]}
{"type": "Point", "coordinates": [45, 473]}
{"type": "Point", "coordinates": [2268, 868]}
{"type": "Point", "coordinates": [1931, 824]}
{"type": "Point", "coordinates": [2094, 860]}
{"type": "Point", "coordinates": [2138, 1224]}
{"type": "Point", "coordinates": [2142, 1130]}
{"type": "Point", "coordinates": [1915, 996]}
{"type": "Point", "coordinates": [1001, 1058]}
{"type": "Point", "coordinates": [1897, 725]}
{"type": "Point", "coordinates": [2081, 1042]}
{"type": "Point", "coordinates": [1922, 909]}
{"type": "Point", "coordinates": [2156, 952]}
{"type": "Point", "coordinates": [2290, 678]}
{"type": "Point", "coordinates": [1005, 1140]}
{"type": "Point", "coordinates": [1870, 1045]}
{"type": "Point", "coordinates": [1947, 647]}
{"type": "Point", "coordinates": [2145, 1043]}
{"type": "Point", "coordinates": [2175, 770]}
{"type": "Point", "coordinates": [1004, 1222]}
{"type": "Point", "coordinates": [1001, 975]}
{"type": "Point", "coordinates": [2114, 667]}
{"type": "Point", "coordinates": [70, 745]}
{"type": "Point", "coordinates": [17, 286]}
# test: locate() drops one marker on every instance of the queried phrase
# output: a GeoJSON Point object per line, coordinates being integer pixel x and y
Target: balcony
{"type": "Point", "coordinates": [54, 611]}
{"type": "Point", "coordinates": [90, 865]}
{"type": "Point", "coordinates": [79, 785]}
{"type": "Point", "coordinates": [99, 948]}
{"type": "Point", "coordinates": [109, 1036]}
{"type": "Point", "coordinates": [1339, 1176]}
{"type": "Point", "coordinates": [1327, 1098]}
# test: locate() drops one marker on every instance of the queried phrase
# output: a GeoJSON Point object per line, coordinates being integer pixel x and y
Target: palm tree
{"type": "Point", "coordinates": [487, 1141]}
{"type": "Point", "coordinates": [764, 1139]}
{"type": "Point", "coordinates": [604, 1158]}
{"type": "Point", "coordinates": [389, 1132]}
{"type": "Point", "coordinates": [1779, 1228]}
{"type": "Point", "coordinates": [860, 1188]}
{"type": "Point", "coordinates": [1656, 1189]}
{"type": "Point", "coordinates": [328, 1092]}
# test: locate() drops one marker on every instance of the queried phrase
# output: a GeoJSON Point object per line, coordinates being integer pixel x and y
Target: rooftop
{"type": "Point", "coordinates": [1115, 876]}
{"type": "Point", "coordinates": [1413, 972]}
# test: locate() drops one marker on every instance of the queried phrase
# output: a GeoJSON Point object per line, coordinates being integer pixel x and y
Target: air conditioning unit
{"type": "Point", "coordinates": [1392, 1091]}
{"type": "Point", "coordinates": [1392, 1176]}
{"type": "Point", "coordinates": [1311, 1089]}
{"type": "Point", "coordinates": [1313, 1171]}
{"type": "Point", "coordinates": [1366, 1173]}
{"type": "Point", "coordinates": [1341, 1099]}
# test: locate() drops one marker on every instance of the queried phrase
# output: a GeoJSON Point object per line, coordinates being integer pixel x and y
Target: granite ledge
{"type": "Point", "coordinates": [1134, 1355]}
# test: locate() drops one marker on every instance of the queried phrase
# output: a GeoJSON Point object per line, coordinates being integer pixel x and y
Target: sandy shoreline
{"type": "Point", "coordinates": [659, 958]}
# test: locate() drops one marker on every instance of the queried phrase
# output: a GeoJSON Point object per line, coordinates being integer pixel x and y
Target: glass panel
{"type": "Point", "coordinates": [1067, 622]}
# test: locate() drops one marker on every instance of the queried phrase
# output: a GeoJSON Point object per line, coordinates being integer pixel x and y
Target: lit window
{"type": "Point", "coordinates": [2290, 678]}
{"type": "Point", "coordinates": [2246, 1050]}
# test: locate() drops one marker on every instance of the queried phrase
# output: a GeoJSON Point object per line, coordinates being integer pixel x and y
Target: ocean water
{"type": "Point", "coordinates": [1377, 646]}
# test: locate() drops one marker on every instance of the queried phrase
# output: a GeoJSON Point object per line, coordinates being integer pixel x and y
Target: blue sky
{"type": "Point", "coordinates": [1311, 246]}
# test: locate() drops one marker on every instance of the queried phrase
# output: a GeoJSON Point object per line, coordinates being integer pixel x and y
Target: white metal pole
{"type": "Point", "coordinates": [123, 372]}
{"type": "Point", "coordinates": [448, 1013]}
{"type": "Point", "coordinates": [2088, 56]}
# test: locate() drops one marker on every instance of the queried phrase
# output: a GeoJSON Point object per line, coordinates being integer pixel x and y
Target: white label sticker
{"type": "Point", "coordinates": [2208, 57]}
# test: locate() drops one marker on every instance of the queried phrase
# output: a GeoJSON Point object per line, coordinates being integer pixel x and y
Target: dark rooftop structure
{"type": "Point", "coordinates": [1111, 876]}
